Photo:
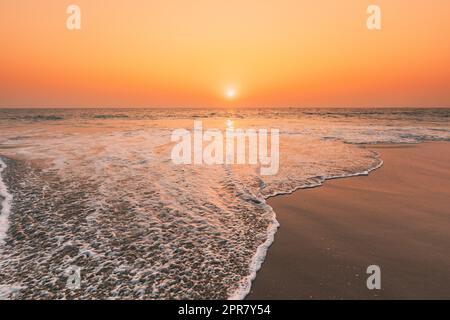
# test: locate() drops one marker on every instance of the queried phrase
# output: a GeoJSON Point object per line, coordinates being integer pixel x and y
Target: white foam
{"type": "Point", "coordinates": [261, 252]}
{"type": "Point", "coordinates": [256, 262]}
{"type": "Point", "coordinates": [6, 205]}
{"type": "Point", "coordinates": [6, 291]}
{"type": "Point", "coordinates": [189, 222]}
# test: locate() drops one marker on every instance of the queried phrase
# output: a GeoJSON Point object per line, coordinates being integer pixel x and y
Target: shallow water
{"type": "Point", "coordinates": [96, 188]}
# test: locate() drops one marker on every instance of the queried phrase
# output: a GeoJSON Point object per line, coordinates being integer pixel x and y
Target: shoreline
{"type": "Point", "coordinates": [273, 282]}
{"type": "Point", "coordinates": [260, 256]}
{"type": "Point", "coordinates": [259, 261]}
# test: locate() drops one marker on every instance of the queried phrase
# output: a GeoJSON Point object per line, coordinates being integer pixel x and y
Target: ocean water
{"type": "Point", "coordinates": [96, 188]}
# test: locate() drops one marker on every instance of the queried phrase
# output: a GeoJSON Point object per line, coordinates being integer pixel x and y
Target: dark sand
{"type": "Point", "coordinates": [397, 218]}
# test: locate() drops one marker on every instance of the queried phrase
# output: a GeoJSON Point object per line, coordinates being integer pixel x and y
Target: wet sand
{"type": "Point", "coordinates": [398, 218]}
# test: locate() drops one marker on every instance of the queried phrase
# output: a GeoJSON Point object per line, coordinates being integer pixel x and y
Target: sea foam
{"type": "Point", "coordinates": [107, 198]}
{"type": "Point", "coordinates": [6, 202]}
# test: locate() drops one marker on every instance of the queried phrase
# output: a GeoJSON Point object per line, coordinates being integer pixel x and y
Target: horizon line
{"type": "Point", "coordinates": [224, 107]}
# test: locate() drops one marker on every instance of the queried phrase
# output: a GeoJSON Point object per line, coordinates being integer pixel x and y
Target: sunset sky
{"type": "Point", "coordinates": [146, 53]}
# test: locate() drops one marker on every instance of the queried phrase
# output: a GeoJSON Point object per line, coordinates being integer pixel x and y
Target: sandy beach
{"type": "Point", "coordinates": [398, 218]}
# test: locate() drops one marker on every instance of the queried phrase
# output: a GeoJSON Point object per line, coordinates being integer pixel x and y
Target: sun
{"type": "Point", "coordinates": [230, 93]}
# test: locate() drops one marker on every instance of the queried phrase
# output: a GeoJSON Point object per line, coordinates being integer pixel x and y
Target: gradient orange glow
{"type": "Point", "coordinates": [189, 53]}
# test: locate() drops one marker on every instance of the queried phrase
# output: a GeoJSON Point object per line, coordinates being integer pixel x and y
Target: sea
{"type": "Point", "coordinates": [97, 190]}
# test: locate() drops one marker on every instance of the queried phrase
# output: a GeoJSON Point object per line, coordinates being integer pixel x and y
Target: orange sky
{"type": "Point", "coordinates": [189, 53]}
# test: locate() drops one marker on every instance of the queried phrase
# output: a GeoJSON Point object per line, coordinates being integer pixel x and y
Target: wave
{"type": "Point", "coordinates": [108, 198]}
{"type": "Point", "coordinates": [110, 116]}
{"type": "Point", "coordinates": [258, 259]}
{"type": "Point", "coordinates": [44, 118]}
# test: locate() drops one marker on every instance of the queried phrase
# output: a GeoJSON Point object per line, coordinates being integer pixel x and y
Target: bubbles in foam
{"type": "Point", "coordinates": [106, 197]}
{"type": "Point", "coordinates": [6, 200]}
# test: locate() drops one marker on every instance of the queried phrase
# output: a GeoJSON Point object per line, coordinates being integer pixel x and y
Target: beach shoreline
{"type": "Point", "coordinates": [345, 276]}
{"type": "Point", "coordinates": [330, 235]}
